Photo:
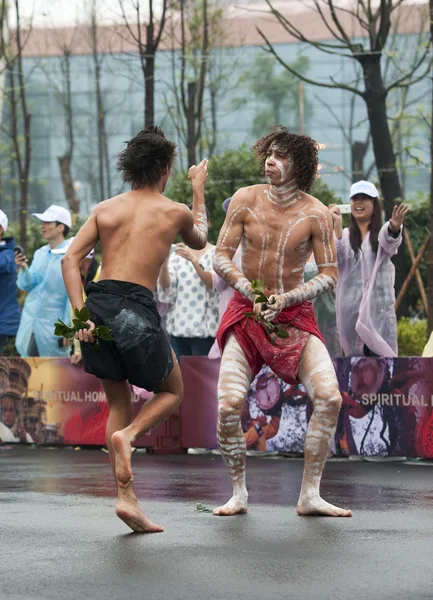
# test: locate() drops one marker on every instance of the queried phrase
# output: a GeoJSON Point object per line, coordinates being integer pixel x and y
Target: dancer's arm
{"type": "Point", "coordinates": [228, 241]}
{"type": "Point", "coordinates": [85, 240]}
{"type": "Point", "coordinates": [194, 225]}
{"type": "Point", "coordinates": [325, 257]}
{"type": "Point", "coordinates": [218, 284]}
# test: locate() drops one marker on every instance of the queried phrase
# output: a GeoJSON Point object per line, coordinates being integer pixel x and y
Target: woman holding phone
{"type": "Point", "coordinates": [366, 319]}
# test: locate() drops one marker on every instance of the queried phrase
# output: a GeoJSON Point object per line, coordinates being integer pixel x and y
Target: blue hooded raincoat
{"type": "Point", "coordinates": [10, 311]}
{"type": "Point", "coordinates": [47, 300]}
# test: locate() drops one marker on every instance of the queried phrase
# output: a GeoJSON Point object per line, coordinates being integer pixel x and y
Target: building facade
{"type": "Point", "coordinates": [252, 93]}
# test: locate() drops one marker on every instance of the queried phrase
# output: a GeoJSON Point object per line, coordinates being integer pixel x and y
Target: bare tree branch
{"type": "Point", "coordinates": [341, 86]}
{"type": "Point", "coordinates": [162, 23]}
{"type": "Point", "coordinates": [408, 77]}
{"type": "Point", "coordinates": [296, 33]}
{"type": "Point", "coordinates": [340, 28]}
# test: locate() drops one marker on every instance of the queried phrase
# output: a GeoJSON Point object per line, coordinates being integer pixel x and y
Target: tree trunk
{"type": "Point", "coordinates": [106, 160]}
{"type": "Point", "coordinates": [68, 185]}
{"type": "Point", "coordinates": [214, 122]}
{"type": "Point", "coordinates": [149, 105]}
{"type": "Point", "coordinates": [149, 78]}
{"type": "Point", "coordinates": [191, 136]}
{"type": "Point", "coordinates": [430, 248]}
{"type": "Point", "coordinates": [24, 202]}
{"type": "Point", "coordinates": [375, 98]}
{"type": "Point", "coordinates": [359, 150]}
{"type": "Point", "coordinates": [100, 116]}
{"type": "Point", "coordinates": [100, 124]}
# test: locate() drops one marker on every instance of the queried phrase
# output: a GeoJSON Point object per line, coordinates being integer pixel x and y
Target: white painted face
{"type": "Point", "coordinates": [278, 167]}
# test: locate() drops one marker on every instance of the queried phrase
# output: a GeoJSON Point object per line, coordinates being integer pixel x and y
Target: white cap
{"type": "Point", "coordinates": [65, 246]}
{"type": "Point", "coordinates": [364, 187]}
{"type": "Point", "coordinates": [3, 220]}
{"type": "Point", "coordinates": [55, 213]}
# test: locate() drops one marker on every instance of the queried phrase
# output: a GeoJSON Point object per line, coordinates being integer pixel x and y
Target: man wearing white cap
{"type": "Point", "coordinates": [366, 318]}
{"type": "Point", "coordinates": [9, 308]}
{"type": "Point", "coordinates": [47, 299]}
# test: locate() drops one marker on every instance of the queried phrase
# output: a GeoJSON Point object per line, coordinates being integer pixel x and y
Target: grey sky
{"type": "Point", "coordinates": [48, 13]}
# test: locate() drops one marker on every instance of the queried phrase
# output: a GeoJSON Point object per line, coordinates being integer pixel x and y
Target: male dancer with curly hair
{"type": "Point", "coordinates": [278, 225]}
{"type": "Point", "coordinates": [136, 230]}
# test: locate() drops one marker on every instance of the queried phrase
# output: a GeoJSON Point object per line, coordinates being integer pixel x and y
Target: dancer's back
{"type": "Point", "coordinates": [136, 230]}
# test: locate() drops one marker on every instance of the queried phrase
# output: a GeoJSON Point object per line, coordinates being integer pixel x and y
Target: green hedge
{"type": "Point", "coordinates": [412, 336]}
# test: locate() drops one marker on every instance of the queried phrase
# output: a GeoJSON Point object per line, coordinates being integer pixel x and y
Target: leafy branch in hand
{"type": "Point", "coordinates": [102, 332]}
{"type": "Point", "coordinates": [274, 329]}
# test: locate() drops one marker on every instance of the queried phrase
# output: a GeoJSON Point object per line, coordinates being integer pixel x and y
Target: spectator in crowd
{"type": "Point", "coordinates": [47, 299]}
{"type": "Point", "coordinates": [325, 311]}
{"type": "Point", "coordinates": [185, 282]}
{"type": "Point", "coordinates": [366, 318]}
{"type": "Point", "coordinates": [9, 308]}
{"type": "Point", "coordinates": [11, 429]}
{"type": "Point", "coordinates": [90, 270]}
{"type": "Point", "coordinates": [224, 290]}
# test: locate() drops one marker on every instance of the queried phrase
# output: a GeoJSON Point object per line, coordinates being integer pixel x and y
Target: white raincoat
{"type": "Point", "coordinates": [366, 296]}
{"type": "Point", "coordinates": [46, 301]}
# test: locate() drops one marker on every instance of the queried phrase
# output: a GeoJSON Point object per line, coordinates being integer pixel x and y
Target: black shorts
{"type": "Point", "coordinates": [140, 352]}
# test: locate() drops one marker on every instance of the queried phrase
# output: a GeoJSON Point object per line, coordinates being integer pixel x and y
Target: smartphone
{"type": "Point", "coordinates": [345, 209]}
{"type": "Point", "coordinates": [19, 250]}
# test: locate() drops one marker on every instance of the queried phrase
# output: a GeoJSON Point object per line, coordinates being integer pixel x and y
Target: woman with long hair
{"type": "Point", "coordinates": [366, 318]}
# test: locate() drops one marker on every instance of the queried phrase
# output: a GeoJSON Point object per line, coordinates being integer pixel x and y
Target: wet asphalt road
{"type": "Point", "coordinates": [61, 540]}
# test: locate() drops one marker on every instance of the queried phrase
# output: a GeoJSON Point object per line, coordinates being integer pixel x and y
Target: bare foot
{"type": "Point", "coordinates": [320, 508]}
{"type": "Point", "coordinates": [122, 449]}
{"type": "Point", "coordinates": [237, 505]}
{"type": "Point", "coordinates": [131, 514]}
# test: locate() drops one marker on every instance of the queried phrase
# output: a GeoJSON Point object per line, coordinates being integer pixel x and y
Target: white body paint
{"type": "Point", "coordinates": [201, 225]}
{"type": "Point", "coordinates": [278, 225]}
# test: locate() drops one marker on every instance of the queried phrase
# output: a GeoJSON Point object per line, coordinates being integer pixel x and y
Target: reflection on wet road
{"type": "Point", "coordinates": [61, 539]}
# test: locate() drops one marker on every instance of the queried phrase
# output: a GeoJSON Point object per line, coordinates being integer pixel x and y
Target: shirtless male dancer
{"type": "Point", "coordinates": [136, 230]}
{"type": "Point", "coordinates": [278, 224]}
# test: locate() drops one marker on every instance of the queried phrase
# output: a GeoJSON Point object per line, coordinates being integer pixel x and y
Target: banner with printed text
{"type": "Point", "coordinates": [387, 407]}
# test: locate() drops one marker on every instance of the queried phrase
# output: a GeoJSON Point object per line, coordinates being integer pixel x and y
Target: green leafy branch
{"type": "Point", "coordinates": [274, 330]}
{"type": "Point", "coordinates": [101, 332]}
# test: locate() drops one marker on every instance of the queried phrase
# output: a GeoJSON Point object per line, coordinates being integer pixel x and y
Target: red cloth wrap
{"type": "Point", "coordinates": [283, 355]}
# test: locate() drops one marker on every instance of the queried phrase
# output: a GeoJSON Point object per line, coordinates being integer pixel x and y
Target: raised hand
{"type": "Point", "coordinates": [398, 215]}
{"type": "Point", "coordinates": [335, 213]}
{"type": "Point", "coordinates": [198, 173]}
{"type": "Point", "coordinates": [185, 252]}
{"type": "Point", "coordinates": [337, 219]}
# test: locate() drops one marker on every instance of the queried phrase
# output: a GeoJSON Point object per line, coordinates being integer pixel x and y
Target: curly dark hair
{"type": "Point", "coordinates": [146, 157]}
{"type": "Point", "coordinates": [301, 148]}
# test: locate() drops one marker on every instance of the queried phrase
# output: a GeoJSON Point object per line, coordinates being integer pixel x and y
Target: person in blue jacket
{"type": "Point", "coordinates": [10, 311]}
{"type": "Point", "coordinates": [47, 299]}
